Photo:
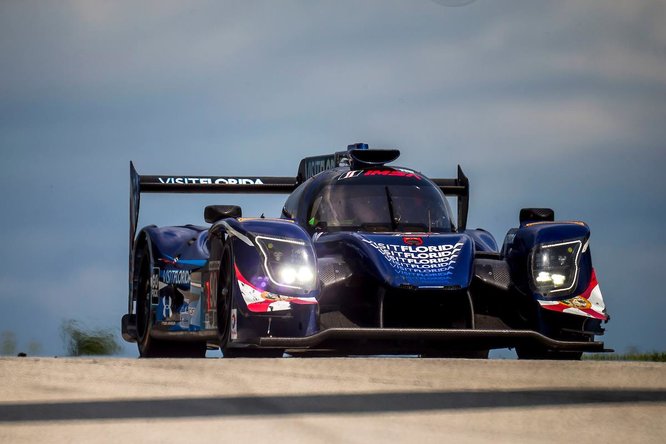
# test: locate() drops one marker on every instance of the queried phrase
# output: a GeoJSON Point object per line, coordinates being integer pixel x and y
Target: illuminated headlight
{"type": "Point", "coordinates": [555, 267]}
{"type": "Point", "coordinates": [288, 262]}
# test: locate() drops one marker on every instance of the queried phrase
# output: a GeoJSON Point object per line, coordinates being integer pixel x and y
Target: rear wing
{"type": "Point", "coordinates": [308, 167]}
{"type": "Point", "coordinates": [458, 187]}
{"type": "Point", "coordinates": [200, 184]}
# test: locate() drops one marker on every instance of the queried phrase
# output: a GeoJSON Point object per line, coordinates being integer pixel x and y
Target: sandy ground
{"type": "Point", "coordinates": [330, 400]}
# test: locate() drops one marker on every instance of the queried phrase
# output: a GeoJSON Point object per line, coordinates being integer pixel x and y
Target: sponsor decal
{"type": "Point", "coordinates": [214, 265]}
{"type": "Point", "coordinates": [422, 262]}
{"type": "Point", "coordinates": [154, 286]}
{"type": "Point", "coordinates": [185, 315]}
{"type": "Point", "coordinates": [589, 304]}
{"type": "Point", "coordinates": [166, 307]}
{"type": "Point", "coordinates": [413, 240]}
{"type": "Point", "coordinates": [234, 323]}
{"type": "Point", "coordinates": [316, 165]}
{"type": "Point", "coordinates": [577, 302]}
{"type": "Point", "coordinates": [393, 173]}
{"type": "Point", "coordinates": [350, 174]}
{"type": "Point", "coordinates": [209, 181]}
{"type": "Point", "coordinates": [175, 277]}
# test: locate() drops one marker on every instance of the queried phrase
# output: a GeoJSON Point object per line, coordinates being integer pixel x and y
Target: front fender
{"type": "Point", "coordinates": [254, 290]}
{"type": "Point", "coordinates": [584, 298]}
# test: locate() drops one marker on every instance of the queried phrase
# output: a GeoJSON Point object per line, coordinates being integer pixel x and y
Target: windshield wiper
{"type": "Point", "coordinates": [394, 222]}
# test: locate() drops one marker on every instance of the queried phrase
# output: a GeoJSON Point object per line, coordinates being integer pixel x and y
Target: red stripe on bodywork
{"type": "Point", "coordinates": [263, 306]}
{"type": "Point", "coordinates": [585, 295]}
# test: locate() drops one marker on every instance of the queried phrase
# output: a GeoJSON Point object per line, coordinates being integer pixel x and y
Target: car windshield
{"type": "Point", "coordinates": [381, 208]}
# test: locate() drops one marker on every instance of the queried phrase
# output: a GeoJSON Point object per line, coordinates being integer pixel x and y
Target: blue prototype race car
{"type": "Point", "coordinates": [365, 259]}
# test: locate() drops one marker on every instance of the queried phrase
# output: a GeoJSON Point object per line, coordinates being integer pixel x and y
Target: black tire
{"type": "Point", "coordinates": [148, 346]}
{"type": "Point", "coordinates": [225, 299]}
{"type": "Point", "coordinates": [225, 304]}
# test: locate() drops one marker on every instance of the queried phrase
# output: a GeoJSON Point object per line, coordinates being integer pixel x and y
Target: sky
{"type": "Point", "coordinates": [544, 104]}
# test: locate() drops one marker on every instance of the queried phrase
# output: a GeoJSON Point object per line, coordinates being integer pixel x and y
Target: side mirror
{"type": "Point", "coordinates": [528, 215]}
{"type": "Point", "coordinates": [213, 213]}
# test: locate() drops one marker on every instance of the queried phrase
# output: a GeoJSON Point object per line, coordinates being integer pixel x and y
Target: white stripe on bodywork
{"type": "Point", "coordinates": [597, 300]}
{"type": "Point", "coordinates": [236, 233]}
{"type": "Point", "coordinates": [250, 295]}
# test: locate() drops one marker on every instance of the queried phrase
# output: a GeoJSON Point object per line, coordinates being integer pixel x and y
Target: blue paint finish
{"type": "Point", "coordinates": [483, 240]}
{"type": "Point", "coordinates": [547, 233]}
{"type": "Point", "coordinates": [250, 261]}
{"type": "Point", "coordinates": [276, 227]}
{"type": "Point", "coordinates": [529, 236]}
{"type": "Point", "coordinates": [181, 246]}
{"type": "Point", "coordinates": [414, 260]}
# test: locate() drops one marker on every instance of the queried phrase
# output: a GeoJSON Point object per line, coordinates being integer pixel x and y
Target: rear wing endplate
{"type": "Point", "coordinates": [458, 187]}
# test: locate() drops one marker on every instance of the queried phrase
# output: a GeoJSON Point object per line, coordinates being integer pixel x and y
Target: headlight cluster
{"type": "Point", "coordinates": [288, 262]}
{"type": "Point", "coordinates": [555, 267]}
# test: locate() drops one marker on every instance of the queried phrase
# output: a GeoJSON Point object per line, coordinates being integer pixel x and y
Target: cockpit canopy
{"type": "Point", "coordinates": [406, 203]}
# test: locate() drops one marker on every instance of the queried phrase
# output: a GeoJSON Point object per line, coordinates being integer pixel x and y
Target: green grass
{"type": "Point", "coordinates": [83, 341]}
{"type": "Point", "coordinates": [649, 357]}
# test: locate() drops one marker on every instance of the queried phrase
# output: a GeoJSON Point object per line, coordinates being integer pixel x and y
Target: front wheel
{"type": "Point", "coordinates": [226, 321]}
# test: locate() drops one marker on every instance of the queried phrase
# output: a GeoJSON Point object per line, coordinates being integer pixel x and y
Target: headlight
{"type": "Point", "coordinates": [555, 267]}
{"type": "Point", "coordinates": [288, 262]}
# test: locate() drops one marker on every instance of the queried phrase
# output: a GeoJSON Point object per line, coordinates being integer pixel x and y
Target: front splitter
{"type": "Point", "coordinates": [410, 338]}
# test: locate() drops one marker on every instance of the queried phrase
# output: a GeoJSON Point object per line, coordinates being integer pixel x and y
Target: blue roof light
{"type": "Point", "coordinates": [357, 146]}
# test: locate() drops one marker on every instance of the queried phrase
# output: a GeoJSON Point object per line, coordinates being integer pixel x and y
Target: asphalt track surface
{"type": "Point", "coordinates": [331, 400]}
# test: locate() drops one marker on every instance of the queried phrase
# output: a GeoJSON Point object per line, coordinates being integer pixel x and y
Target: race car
{"type": "Point", "coordinates": [366, 258]}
